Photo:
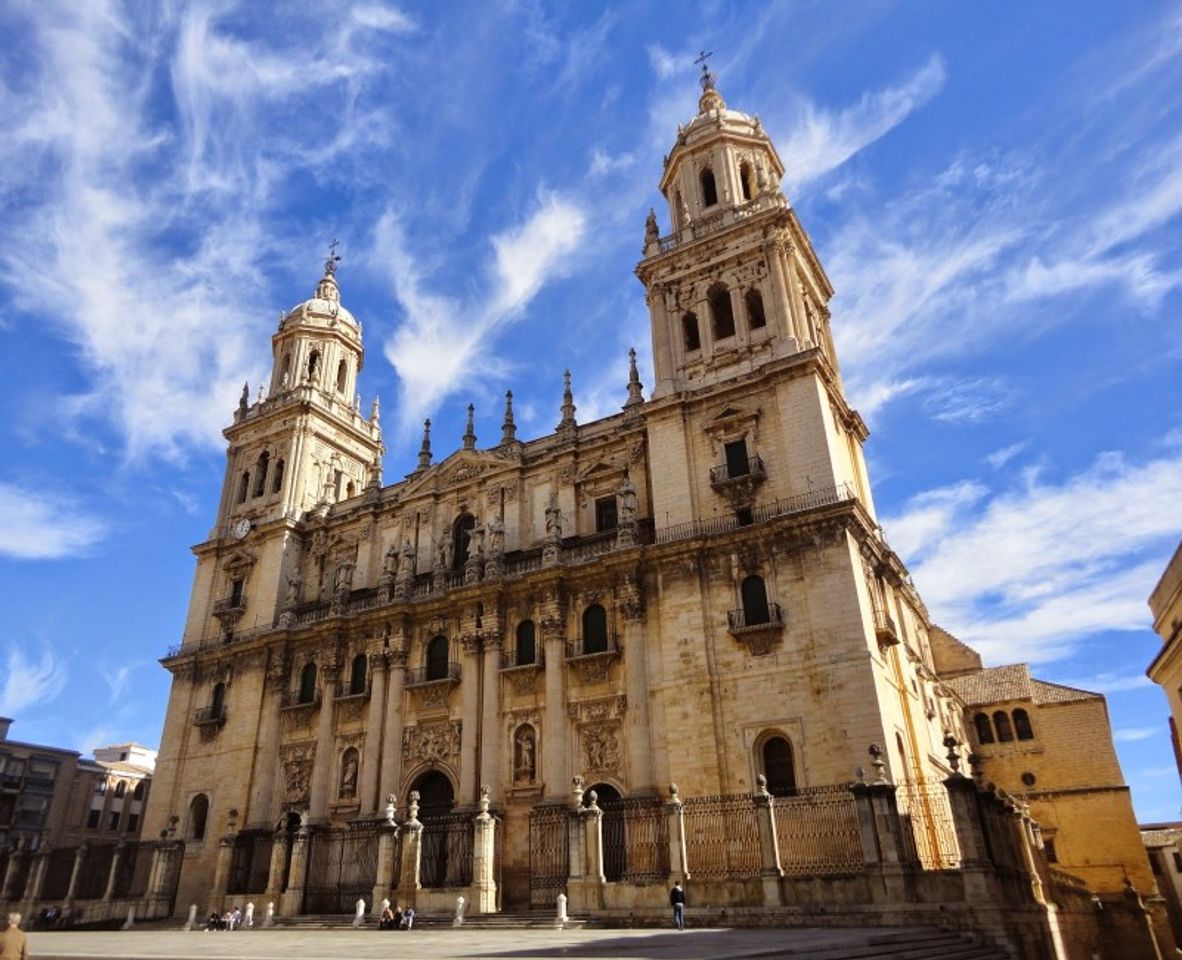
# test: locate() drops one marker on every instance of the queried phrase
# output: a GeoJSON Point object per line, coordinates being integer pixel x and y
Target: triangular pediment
{"type": "Point", "coordinates": [459, 468]}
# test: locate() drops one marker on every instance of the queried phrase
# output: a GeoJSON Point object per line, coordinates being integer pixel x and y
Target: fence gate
{"type": "Point", "coordinates": [635, 840]}
{"type": "Point", "coordinates": [342, 868]}
{"type": "Point", "coordinates": [96, 871]}
{"type": "Point", "coordinates": [549, 854]}
{"type": "Point", "coordinates": [447, 850]}
{"type": "Point", "coordinates": [250, 864]}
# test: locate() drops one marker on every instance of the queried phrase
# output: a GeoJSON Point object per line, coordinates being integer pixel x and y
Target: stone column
{"type": "Point", "coordinates": [484, 883]}
{"type": "Point", "coordinates": [490, 720]}
{"type": "Point", "coordinates": [371, 758]}
{"type": "Point", "coordinates": [321, 785]}
{"type": "Point", "coordinates": [678, 868]}
{"type": "Point", "coordinates": [291, 904]}
{"type": "Point", "coordinates": [966, 819]}
{"type": "Point", "coordinates": [410, 881]}
{"type": "Point", "coordinates": [116, 856]}
{"type": "Point", "coordinates": [275, 878]}
{"type": "Point", "coordinates": [469, 698]}
{"type": "Point", "coordinates": [554, 752]}
{"type": "Point", "coordinates": [221, 874]}
{"type": "Point", "coordinates": [36, 881]}
{"type": "Point", "coordinates": [637, 726]}
{"type": "Point", "coordinates": [769, 844]}
{"type": "Point", "coordinates": [76, 874]}
{"type": "Point", "coordinates": [391, 773]}
{"type": "Point", "coordinates": [387, 848]}
{"type": "Point", "coordinates": [781, 294]}
{"type": "Point", "coordinates": [16, 853]}
{"type": "Point", "coordinates": [663, 350]}
{"type": "Point", "coordinates": [262, 790]}
{"type": "Point", "coordinates": [166, 860]}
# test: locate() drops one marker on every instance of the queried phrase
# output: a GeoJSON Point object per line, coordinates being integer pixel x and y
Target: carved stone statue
{"type": "Point", "coordinates": [349, 775]}
{"type": "Point", "coordinates": [343, 582]}
{"type": "Point", "coordinates": [685, 213]}
{"type": "Point", "coordinates": [496, 537]}
{"type": "Point", "coordinates": [293, 591]}
{"type": "Point", "coordinates": [390, 564]}
{"type": "Point", "coordinates": [627, 502]}
{"type": "Point", "coordinates": [524, 761]}
{"type": "Point", "coordinates": [553, 519]}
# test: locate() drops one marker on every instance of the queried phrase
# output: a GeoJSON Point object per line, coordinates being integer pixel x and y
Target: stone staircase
{"type": "Point", "coordinates": [917, 944]}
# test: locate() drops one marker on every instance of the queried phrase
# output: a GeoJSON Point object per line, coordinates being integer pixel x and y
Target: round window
{"type": "Point", "coordinates": [1029, 779]}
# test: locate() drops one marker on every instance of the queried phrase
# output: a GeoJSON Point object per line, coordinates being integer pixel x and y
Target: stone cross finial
{"type": "Point", "coordinates": [508, 427]}
{"type": "Point", "coordinates": [635, 389]}
{"type": "Point", "coordinates": [425, 448]}
{"type": "Point", "coordinates": [568, 404]}
{"type": "Point", "coordinates": [470, 429]}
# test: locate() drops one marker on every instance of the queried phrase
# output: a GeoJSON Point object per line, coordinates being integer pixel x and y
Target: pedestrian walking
{"type": "Point", "coordinates": [677, 901]}
{"type": "Point", "coordinates": [13, 945]}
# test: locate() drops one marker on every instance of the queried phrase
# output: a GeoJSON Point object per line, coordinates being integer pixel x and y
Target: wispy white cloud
{"type": "Point", "coordinates": [1133, 734]}
{"type": "Point", "coordinates": [969, 400]}
{"type": "Point", "coordinates": [820, 140]}
{"type": "Point", "coordinates": [38, 525]}
{"type": "Point", "coordinates": [30, 681]}
{"type": "Point", "coordinates": [1029, 573]}
{"type": "Point", "coordinates": [999, 458]}
{"type": "Point", "coordinates": [1108, 682]}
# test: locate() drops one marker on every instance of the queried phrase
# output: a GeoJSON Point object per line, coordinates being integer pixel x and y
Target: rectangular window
{"type": "Point", "coordinates": [92, 819]}
{"type": "Point", "coordinates": [605, 514]}
{"type": "Point", "coordinates": [133, 822]}
{"type": "Point", "coordinates": [738, 464]}
{"type": "Point", "coordinates": [113, 823]}
{"type": "Point", "coordinates": [1052, 857]}
{"type": "Point", "coordinates": [8, 808]}
{"type": "Point", "coordinates": [236, 592]}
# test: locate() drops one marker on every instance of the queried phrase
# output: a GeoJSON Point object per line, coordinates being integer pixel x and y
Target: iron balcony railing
{"type": "Point", "coordinates": [510, 660]}
{"type": "Point", "coordinates": [420, 676]}
{"type": "Point", "coordinates": [291, 699]}
{"type": "Point", "coordinates": [345, 690]}
{"type": "Point", "coordinates": [741, 619]}
{"type": "Point", "coordinates": [591, 647]}
{"type": "Point", "coordinates": [753, 468]}
{"type": "Point", "coordinates": [823, 497]}
{"type": "Point", "coordinates": [210, 716]}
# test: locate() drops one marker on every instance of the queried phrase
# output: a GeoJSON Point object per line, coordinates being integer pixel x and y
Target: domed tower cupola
{"type": "Point", "coordinates": [722, 160]}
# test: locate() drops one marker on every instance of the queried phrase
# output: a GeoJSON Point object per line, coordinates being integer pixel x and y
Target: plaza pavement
{"type": "Point", "coordinates": [433, 943]}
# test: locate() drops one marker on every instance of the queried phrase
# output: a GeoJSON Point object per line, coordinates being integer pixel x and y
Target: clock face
{"type": "Point", "coordinates": [241, 528]}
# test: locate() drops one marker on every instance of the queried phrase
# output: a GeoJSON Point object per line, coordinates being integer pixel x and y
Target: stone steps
{"type": "Point", "coordinates": [921, 944]}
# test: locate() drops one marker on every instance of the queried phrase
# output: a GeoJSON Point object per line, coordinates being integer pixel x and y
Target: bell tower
{"type": "Point", "coordinates": [748, 408]}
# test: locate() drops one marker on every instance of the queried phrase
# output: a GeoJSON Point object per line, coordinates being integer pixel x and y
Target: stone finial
{"type": "Point", "coordinates": [652, 233]}
{"type": "Point", "coordinates": [568, 404]}
{"type": "Point", "coordinates": [975, 767]}
{"type": "Point", "coordinates": [391, 806]}
{"type": "Point", "coordinates": [425, 448]}
{"type": "Point", "coordinates": [508, 427]}
{"type": "Point", "coordinates": [635, 388]}
{"type": "Point", "coordinates": [878, 763]}
{"type": "Point", "coordinates": [592, 798]}
{"type": "Point", "coordinates": [412, 807]}
{"type": "Point", "coordinates": [673, 795]}
{"type": "Point", "coordinates": [262, 394]}
{"type": "Point", "coordinates": [375, 469]}
{"type": "Point", "coordinates": [375, 410]}
{"type": "Point", "coordinates": [711, 99]}
{"type": "Point", "coordinates": [950, 744]}
{"type": "Point", "coordinates": [485, 799]}
{"type": "Point", "coordinates": [761, 786]}
{"type": "Point", "coordinates": [470, 429]}
{"type": "Point", "coordinates": [244, 400]}
{"type": "Point", "coordinates": [577, 790]}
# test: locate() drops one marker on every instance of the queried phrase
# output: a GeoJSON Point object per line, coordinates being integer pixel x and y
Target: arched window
{"type": "Point", "coordinates": [217, 699]}
{"type": "Point", "coordinates": [308, 683]}
{"type": "Point", "coordinates": [100, 788]}
{"type": "Point", "coordinates": [709, 188]}
{"type": "Point", "coordinates": [198, 814]}
{"type": "Point", "coordinates": [313, 365]}
{"type": "Point", "coordinates": [595, 629]}
{"type": "Point", "coordinates": [437, 658]}
{"type": "Point", "coordinates": [342, 376]}
{"type": "Point", "coordinates": [778, 767]}
{"type": "Point", "coordinates": [984, 728]}
{"type": "Point", "coordinates": [244, 486]}
{"type": "Point", "coordinates": [722, 314]}
{"type": "Point", "coordinates": [1001, 721]}
{"type": "Point", "coordinates": [527, 651]}
{"type": "Point", "coordinates": [350, 490]}
{"type": "Point", "coordinates": [357, 673]}
{"type": "Point", "coordinates": [138, 792]}
{"type": "Point", "coordinates": [120, 789]}
{"type": "Point", "coordinates": [260, 473]}
{"type": "Point", "coordinates": [277, 480]}
{"type": "Point", "coordinates": [690, 332]}
{"type": "Point", "coordinates": [753, 300]}
{"type": "Point", "coordinates": [1022, 725]}
{"type": "Point", "coordinates": [461, 537]}
{"type": "Point", "coordinates": [754, 595]}
{"type": "Point", "coordinates": [349, 760]}
{"type": "Point", "coordinates": [746, 183]}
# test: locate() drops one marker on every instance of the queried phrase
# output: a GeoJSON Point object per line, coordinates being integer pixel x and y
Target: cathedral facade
{"type": "Point", "coordinates": [692, 591]}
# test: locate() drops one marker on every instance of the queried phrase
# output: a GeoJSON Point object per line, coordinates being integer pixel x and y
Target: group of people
{"type": "Point", "coordinates": [230, 920]}
{"type": "Point", "coordinates": [396, 919]}
{"type": "Point", "coordinates": [50, 917]}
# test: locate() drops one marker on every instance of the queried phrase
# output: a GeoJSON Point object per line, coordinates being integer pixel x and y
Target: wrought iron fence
{"type": "Point", "coordinates": [817, 829]}
{"type": "Point", "coordinates": [447, 851]}
{"type": "Point", "coordinates": [58, 871]}
{"type": "Point", "coordinates": [549, 854]}
{"type": "Point", "coordinates": [95, 872]}
{"type": "Point", "coordinates": [721, 836]}
{"type": "Point", "coordinates": [635, 840]}
{"type": "Point", "coordinates": [250, 862]}
{"type": "Point", "coordinates": [20, 878]}
{"type": "Point", "coordinates": [928, 830]}
{"type": "Point", "coordinates": [131, 876]}
{"type": "Point", "coordinates": [342, 868]}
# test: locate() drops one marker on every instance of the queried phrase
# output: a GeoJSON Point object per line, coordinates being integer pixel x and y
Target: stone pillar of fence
{"type": "Point", "coordinates": [166, 862]}
{"type": "Point", "coordinates": [484, 883]}
{"type": "Point", "coordinates": [291, 902]}
{"type": "Point", "coordinates": [280, 839]}
{"type": "Point", "coordinates": [410, 879]}
{"type": "Point", "coordinates": [16, 853]}
{"type": "Point", "coordinates": [584, 885]}
{"type": "Point", "coordinates": [880, 829]}
{"type": "Point", "coordinates": [576, 836]}
{"type": "Point", "coordinates": [36, 880]}
{"type": "Point", "coordinates": [221, 874]}
{"type": "Point", "coordinates": [113, 873]}
{"type": "Point", "coordinates": [678, 868]}
{"type": "Point", "coordinates": [770, 871]}
{"type": "Point", "coordinates": [76, 874]}
{"type": "Point", "coordinates": [387, 849]}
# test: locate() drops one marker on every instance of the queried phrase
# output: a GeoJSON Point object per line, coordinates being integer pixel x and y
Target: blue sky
{"type": "Point", "coordinates": [995, 191]}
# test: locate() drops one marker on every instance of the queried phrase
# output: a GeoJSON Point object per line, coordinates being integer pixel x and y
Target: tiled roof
{"type": "Point", "coordinates": [1012, 682]}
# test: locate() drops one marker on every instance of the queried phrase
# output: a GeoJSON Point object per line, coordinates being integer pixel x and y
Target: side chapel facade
{"type": "Point", "coordinates": [693, 591]}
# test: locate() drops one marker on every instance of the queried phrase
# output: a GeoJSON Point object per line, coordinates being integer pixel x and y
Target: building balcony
{"type": "Point", "coordinates": [212, 716]}
{"type": "Point", "coordinates": [39, 784]}
{"type": "Point", "coordinates": [591, 658]}
{"type": "Point", "coordinates": [885, 631]}
{"type": "Point", "coordinates": [422, 676]}
{"type": "Point", "coordinates": [738, 482]}
{"type": "Point", "coordinates": [229, 610]}
{"type": "Point", "coordinates": [10, 781]}
{"type": "Point", "coordinates": [511, 659]}
{"type": "Point", "coordinates": [292, 701]}
{"type": "Point", "coordinates": [346, 691]}
{"type": "Point", "coordinates": [758, 630]}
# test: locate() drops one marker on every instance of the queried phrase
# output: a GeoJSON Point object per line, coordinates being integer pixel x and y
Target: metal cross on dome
{"type": "Point", "coordinates": [702, 58]}
{"type": "Point", "coordinates": [707, 78]}
{"type": "Point", "coordinates": [330, 265]}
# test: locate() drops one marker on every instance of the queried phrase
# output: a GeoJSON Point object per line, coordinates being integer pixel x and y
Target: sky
{"type": "Point", "coordinates": [995, 191]}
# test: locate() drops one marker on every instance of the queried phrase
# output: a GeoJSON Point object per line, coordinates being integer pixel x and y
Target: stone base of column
{"type": "Point", "coordinates": [584, 896]}
{"type": "Point", "coordinates": [291, 903]}
{"type": "Point", "coordinates": [772, 891]}
{"type": "Point", "coordinates": [483, 898]}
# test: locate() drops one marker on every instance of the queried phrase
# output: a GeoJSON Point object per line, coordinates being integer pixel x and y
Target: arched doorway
{"type": "Point", "coordinates": [436, 800]}
{"type": "Point", "coordinates": [614, 841]}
